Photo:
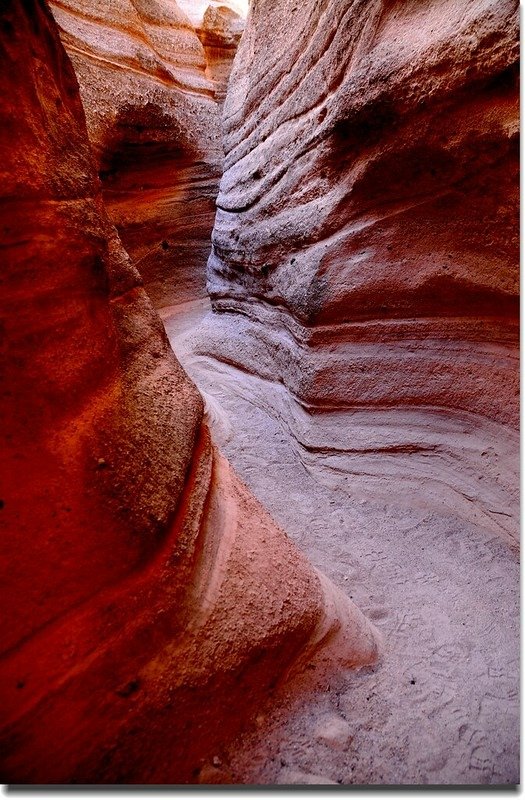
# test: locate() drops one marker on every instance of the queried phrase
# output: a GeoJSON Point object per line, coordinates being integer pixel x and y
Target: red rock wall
{"type": "Point", "coordinates": [149, 601]}
{"type": "Point", "coordinates": [153, 120]}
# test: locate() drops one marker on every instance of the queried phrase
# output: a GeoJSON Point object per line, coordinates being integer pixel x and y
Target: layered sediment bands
{"type": "Point", "coordinates": [365, 246]}
{"type": "Point", "coordinates": [154, 125]}
{"type": "Point", "coordinates": [149, 600]}
{"type": "Point", "coordinates": [162, 203]}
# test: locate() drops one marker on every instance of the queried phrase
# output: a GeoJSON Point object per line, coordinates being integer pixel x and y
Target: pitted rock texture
{"type": "Point", "coordinates": [149, 599]}
{"type": "Point", "coordinates": [365, 249]}
{"type": "Point", "coordinates": [149, 94]}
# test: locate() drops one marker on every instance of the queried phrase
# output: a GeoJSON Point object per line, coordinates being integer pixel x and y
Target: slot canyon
{"type": "Point", "coordinates": [260, 392]}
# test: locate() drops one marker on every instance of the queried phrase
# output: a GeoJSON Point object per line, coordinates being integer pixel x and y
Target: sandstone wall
{"type": "Point", "coordinates": [220, 33]}
{"type": "Point", "coordinates": [149, 601]}
{"type": "Point", "coordinates": [149, 92]}
{"type": "Point", "coordinates": [365, 249]}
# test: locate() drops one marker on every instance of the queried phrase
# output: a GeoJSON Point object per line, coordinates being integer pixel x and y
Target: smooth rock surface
{"type": "Point", "coordinates": [334, 732]}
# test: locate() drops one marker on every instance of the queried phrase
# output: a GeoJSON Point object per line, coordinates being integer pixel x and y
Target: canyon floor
{"type": "Point", "coordinates": [441, 706]}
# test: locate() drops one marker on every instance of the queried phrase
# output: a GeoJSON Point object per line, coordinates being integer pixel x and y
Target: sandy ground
{"type": "Point", "coordinates": [442, 705]}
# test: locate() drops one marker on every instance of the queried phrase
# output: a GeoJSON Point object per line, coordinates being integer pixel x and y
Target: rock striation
{"type": "Point", "coordinates": [149, 600]}
{"type": "Point", "coordinates": [365, 249]}
{"type": "Point", "coordinates": [149, 90]}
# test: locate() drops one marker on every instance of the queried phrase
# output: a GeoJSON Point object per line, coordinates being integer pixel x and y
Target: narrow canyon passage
{"type": "Point", "coordinates": [441, 707]}
{"type": "Point", "coordinates": [152, 81]}
{"type": "Point", "coordinates": [260, 319]}
{"type": "Point", "coordinates": [162, 204]}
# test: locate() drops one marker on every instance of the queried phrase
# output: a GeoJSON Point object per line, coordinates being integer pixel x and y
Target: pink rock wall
{"type": "Point", "coordinates": [220, 33]}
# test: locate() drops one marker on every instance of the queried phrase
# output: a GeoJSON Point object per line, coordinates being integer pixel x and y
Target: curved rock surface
{"type": "Point", "coordinates": [220, 33]}
{"type": "Point", "coordinates": [149, 91]}
{"type": "Point", "coordinates": [150, 601]}
{"type": "Point", "coordinates": [365, 249]}
{"type": "Point", "coordinates": [442, 706]}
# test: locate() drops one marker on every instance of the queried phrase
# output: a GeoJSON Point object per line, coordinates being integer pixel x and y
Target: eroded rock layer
{"type": "Point", "coordinates": [220, 33]}
{"type": "Point", "coordinates": [149, 600]}
{"type": "Point", "coordinates": [365, 249]}
{"type": "Point", "coordinates": [149, 93]}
